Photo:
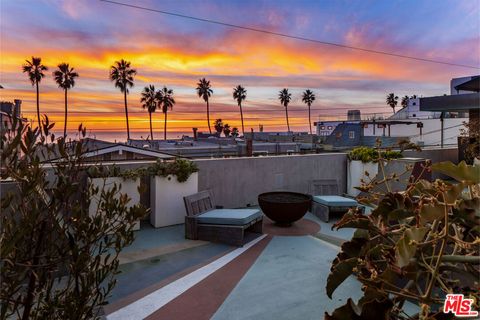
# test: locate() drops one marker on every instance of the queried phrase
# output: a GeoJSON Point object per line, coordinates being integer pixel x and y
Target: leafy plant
{"type": "Point", "coordinates": [471, 133]}
{"type": "Point", "coordinates": [368, 154]}
{"type": "Point", "coordinates": [416, 246]}
{"type": "Point", "coordinates": [180, 167]}
{"type": "Point", "coordinates": [58, 261]}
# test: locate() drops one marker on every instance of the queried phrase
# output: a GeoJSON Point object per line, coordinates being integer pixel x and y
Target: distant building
{"type": "Point", "coordinates": [464, 98]}
{"type": "Point", "coordinates": [105, 151]}
{"type": "Point", "coordinates": [9, 110]}
{"type": "Point", "coordinates": [353, 115]}
{"type": "Point", "coordinates": [434, 121]}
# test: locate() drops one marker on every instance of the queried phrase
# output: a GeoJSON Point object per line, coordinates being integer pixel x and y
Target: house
{"type": "Point", "coordinates": [105, 151]}
{"type": "Point", "coordinates": [9, 110]}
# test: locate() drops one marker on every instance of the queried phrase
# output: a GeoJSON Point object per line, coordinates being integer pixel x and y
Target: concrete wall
{"type": "Point", "coordinates": [236, 182]}
{"type": "Point", "coordinates": [436, 155]}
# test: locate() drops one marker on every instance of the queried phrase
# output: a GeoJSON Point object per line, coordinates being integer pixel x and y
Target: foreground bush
{"type": "Point", "coordinates": [57, 261]}
{"type": "Point", "coordinates": [415, 247]}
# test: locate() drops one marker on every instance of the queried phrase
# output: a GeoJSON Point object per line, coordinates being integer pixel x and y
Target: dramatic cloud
{"type": "Point", "coordinates": [177, 52]}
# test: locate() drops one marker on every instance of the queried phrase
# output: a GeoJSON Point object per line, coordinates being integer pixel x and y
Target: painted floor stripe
{"type": "Point", "coordinates": [157, 299]}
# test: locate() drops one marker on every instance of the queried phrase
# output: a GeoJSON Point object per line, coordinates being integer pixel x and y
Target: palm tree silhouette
{"type": "Point", "coordinates": [218, 125]}
{"type": "Point", "coordinates": [204, 91]}
{"type": "Point", "coordinates": [284, 96]}
{"type": "Point", "coordinates": [226, 130]}
{"type": "Point", "coordinates": [240, 94]}
{"type": "Point", "coordinates": [65, 78]}
{"type": "Point", "coordinates": [35, 70]}
{"type": "Point", "coordinates": [392, 101]}
{"type": "Point", "coordinates": [404, 102]}
{"type": "Point", "coordinates": [149, 102]}
{"type": "Point", "coordinates": [165, 101]}
{"type": "Point", "coordinates": [308, 97]}
{"type": "Point", "coordinates": [122, 74]}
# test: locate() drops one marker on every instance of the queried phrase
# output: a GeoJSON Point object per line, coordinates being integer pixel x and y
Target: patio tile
{"type": "Point", "coordinates": [288, 282]}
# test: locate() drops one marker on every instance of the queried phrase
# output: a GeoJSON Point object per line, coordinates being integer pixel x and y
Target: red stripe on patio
{"type": "Point", "coordinates": [202, 300]}
{"type": "Point", "coordinates": [112, 307]}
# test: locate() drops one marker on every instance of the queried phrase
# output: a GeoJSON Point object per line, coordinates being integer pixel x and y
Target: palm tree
{"type": "Point", "coordinates": [165, 101]}
{"type": "Point", "coordinates": [240, 94]}
{"type": "Point", "coordinates": [392, 101]}
{"type": "Point", "coordinates": [122, 74]}
{"type": "Point", "coordinates": [308, 97]}
{"type": "Point", "coordinates": [285, 97]}
{"type": "Point", "coordinates": [35, 70]}
{"type": "Point", "coordinates": [235, 132]}
{"type": "Point", "coordinates": [149, 102]}
{"type": "Point", "coordinates": [226, 130]}
{"type": "Point", "coordinates": [404, 102]}
{"type": "Point", "coordinates": [65, 78]}
{"type": "Point", "coordinates": [204, 91]}
{"type": "Point", "coordinates": [218, 125]}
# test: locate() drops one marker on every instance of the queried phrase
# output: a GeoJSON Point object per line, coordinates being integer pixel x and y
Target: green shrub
{"type": "Point", "coordinates": [180, 168]}
{"type": "Point", "coordinates": [416, 246]}
{"type": "Point", "coordinates": [367, 154]}
{"type": "Point", "coordinates": [58, 260]}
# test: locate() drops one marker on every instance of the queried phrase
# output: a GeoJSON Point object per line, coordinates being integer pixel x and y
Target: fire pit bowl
{"type": "Point", "coordinates": [284, 207]}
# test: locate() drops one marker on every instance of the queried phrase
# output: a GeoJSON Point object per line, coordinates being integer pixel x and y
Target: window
{"type": "Point", "coordinates": [351, 134]}
{"type": "Point", "coordinates": [329, 128]}
{"type": "Point", "coordinates": [322, 127]}
{"type": "Point", "coordinates": [414, 103]}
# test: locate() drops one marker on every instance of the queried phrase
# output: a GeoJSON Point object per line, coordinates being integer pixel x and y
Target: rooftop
{"type": "Point", "coordinates": [280, 275]}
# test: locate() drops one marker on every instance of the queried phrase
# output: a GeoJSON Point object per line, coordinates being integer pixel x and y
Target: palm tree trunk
{"type": "Point", "coordinates": [38, 110]}
{"type": "Point", "coordinates": [165, 127]}
{"type": "Point", "coordinates": [286, 114]}
{"type": "Point", "coordinates": [151, 131]}
{"type": "Point", "coordinates": [241, 115]}
{"type": "Point", "coordinates": [126, 114]}
{"type": "Point", "coordinates": [65, 124]}
{"type": "Point", "coordinates": [309, 119]}
{"type": "Point", "coordinates": [208, 117]}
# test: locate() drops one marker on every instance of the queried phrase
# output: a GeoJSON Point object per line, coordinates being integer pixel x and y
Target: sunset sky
{"type": "Point", "coordinates": [176, 52]}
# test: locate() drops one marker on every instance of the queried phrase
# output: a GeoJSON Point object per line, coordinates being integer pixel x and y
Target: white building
{"type": "Point", "coordinates": [426, 128]}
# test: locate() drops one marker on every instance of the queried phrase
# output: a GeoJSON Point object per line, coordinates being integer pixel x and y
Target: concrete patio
{"type": "Point", "coordinates": [275, 276]}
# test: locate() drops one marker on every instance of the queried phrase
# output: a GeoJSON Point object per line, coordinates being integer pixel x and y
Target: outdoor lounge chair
{"type": "Point", "coordinates": [206, 221]}
{"type": "Point", "coordinates": [326, 199]}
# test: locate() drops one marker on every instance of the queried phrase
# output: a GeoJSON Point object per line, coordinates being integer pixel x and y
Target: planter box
{"type": "Point", "coordinates": [356, 171]}
{"type": "Point", "coordinates": [129, 187]}
{"type": "Point", "coordinates": [166, 199]}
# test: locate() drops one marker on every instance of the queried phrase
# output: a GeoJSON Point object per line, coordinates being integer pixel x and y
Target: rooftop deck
{"type": "Point", "coordinates": [280, 275]}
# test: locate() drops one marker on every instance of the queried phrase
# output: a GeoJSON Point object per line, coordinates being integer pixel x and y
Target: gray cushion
{"type": "Point", "coordinates": [335, 201]}
{"type": "Point", "coordinates": [238, 217]}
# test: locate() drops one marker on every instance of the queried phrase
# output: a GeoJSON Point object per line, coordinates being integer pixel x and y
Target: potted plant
{"type": "Point", "coordinates": [363, 163]}
{"type": "Point", "coordinates": [415, 247]}
{"type": "Point", "coordinates": [170, 181]}
{"type": "Point", "coordinates": [104, 179]}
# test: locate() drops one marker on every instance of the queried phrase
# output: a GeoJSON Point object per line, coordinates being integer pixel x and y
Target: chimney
{"type": "Point", "coordinates": [195, 137]}
{"type": "Point", "coordinates": [18, 105]}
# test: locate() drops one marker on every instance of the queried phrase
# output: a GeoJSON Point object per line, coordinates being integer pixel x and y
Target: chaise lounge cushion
{"type": "Point", "coordinates": [237, 217]}
{"type": "Point", "coordinates": [335, 201]}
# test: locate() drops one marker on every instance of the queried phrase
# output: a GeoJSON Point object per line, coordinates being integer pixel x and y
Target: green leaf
{"type": "Point", "coordinates": [340, 271]}
{"type": "Point", "coordinates": [430, 212]}
{"type": "Point", "coordinates": [405, 250]}
{"type": "Point", "coordinates": [454, 191]}
{"type": "Point", "coordinates": [460, 172]}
